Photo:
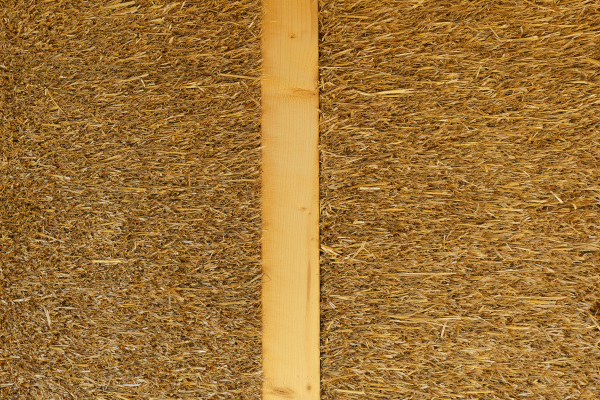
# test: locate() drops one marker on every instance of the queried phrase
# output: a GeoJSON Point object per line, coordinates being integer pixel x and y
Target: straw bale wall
{"type": "Point", "coordinates": [460, 194]}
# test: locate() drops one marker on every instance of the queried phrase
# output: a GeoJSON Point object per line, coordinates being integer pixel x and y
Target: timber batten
{"type": "Point", "coordinates": [290, 201]}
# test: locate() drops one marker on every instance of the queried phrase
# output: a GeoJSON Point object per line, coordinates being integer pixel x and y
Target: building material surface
{"type": "Point", "coordinates": [460, 193]}
{"type": "Point", "coordinates": [290, 208]}
{"type": "Point", "coordinates": [459, 199]}
{"type": "Point", "coordinates": [129, 200]}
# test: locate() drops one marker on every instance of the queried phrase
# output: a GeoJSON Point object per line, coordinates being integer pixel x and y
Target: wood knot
{"type": "Point", "coordinates": [284, 392]}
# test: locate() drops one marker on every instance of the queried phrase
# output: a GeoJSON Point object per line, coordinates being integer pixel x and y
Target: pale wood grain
{"type": "Point", "coordinates": [290, 208]}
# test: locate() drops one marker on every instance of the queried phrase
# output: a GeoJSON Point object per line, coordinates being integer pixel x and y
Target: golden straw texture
{"type": "Point", "coordinates": [459, 185]}
{"type": "Point", "coordinates": [129, 200]}
{"type": "Point", "coordinates": [460, 199]}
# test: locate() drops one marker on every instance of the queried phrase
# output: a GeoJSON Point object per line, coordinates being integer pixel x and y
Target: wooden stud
{"type": "Point", "coordinates": [290, 200]}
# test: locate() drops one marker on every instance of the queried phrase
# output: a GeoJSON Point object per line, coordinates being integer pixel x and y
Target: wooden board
{"type": "Point", "coordinates": [290, 203]}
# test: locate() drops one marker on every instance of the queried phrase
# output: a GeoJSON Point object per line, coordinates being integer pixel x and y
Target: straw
{"type": "Point", "coordinates": [129, 205]}
{"type": "Point", "coordinates": [460, 199]}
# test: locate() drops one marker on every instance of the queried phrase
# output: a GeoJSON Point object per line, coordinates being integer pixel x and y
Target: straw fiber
{"type": "Point", "coordinates": [460, 199]}
{"type": "Point", "coordinates": [129, 219]}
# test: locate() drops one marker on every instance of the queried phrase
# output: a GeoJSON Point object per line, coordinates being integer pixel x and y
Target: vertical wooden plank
{"type": "Point", "coordinates": [290, 200]}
